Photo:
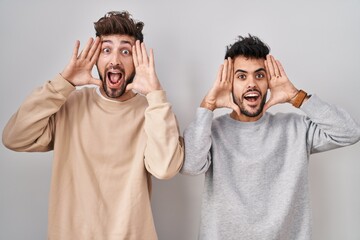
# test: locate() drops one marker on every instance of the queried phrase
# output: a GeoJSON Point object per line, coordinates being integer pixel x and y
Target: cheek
{"type": "Point", "coordinates": [129, 65]}
{"type": "Point", "coordinates": [238, 87]}
{"type": "Point", "coordinates": [101, 65]}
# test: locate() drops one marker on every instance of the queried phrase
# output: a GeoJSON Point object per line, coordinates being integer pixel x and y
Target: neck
{"type": "Point", "coordinates": [244, 118]}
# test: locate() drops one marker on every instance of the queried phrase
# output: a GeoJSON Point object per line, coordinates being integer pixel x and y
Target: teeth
{"type": "Point", "coordinates": [252, 95]}
{"type": "Point", "coordinates": [114, 77]}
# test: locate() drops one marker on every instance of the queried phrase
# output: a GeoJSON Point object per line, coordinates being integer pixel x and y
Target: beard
{"type": "Point", "coordinates": [248, 113]}
{"type": "Point", "coordinates": [118, 92]}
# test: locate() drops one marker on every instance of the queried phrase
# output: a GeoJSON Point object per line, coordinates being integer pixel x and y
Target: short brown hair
{"type": "Point", "coordinates": [119, 23]}
{"type": "Point", "coordinates": [248, 47]}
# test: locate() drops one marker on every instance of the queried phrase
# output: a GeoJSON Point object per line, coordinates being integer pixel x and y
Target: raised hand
{"type": "Point", "coordinates": [145, 80]}
{"type": "Point", "coordinates": [78, 70]}
{"type": "Point", "coordinates": [281, 89]}
{"type": "Point", "coordinates": [220, 95]}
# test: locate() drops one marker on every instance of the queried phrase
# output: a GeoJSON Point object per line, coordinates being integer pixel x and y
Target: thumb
{"type": "Point", "coordinates": [269, 104]}
{"type": "Point", "coordinates": [130, 86]}
{"type": "Point", "coordinates": [95, 81]}
{"type": "Point", "coordinates": [235, 108]}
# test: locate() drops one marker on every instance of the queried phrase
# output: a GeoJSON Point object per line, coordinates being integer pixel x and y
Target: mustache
{"type": "Point", "coordinates": [253, 89]}
{"type": "Point", "coordinates": [115, 67]}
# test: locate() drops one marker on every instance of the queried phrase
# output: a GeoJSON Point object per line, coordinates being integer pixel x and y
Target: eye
{"type": "Point", "coordinates": [260, 75]}
{"type": "Point", "coordinates": [241, 76]}
{"type": "Point", "coordinates": [106, 50]}
{"type": "Point", "coordinates": [125, 52]}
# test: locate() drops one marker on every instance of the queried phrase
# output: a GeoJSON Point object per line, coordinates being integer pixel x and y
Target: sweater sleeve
{"type": "Point", "coordinates": [164, 153]}
{"type": "Point", "coordinates": [32, 127]}
{"type": "Point", "coordinates": [329, 127]}
{"type": "Point", "coordinates": [197, 137]}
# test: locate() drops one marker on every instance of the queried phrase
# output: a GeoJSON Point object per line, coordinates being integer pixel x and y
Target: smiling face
{"type": "Point", "coordinates": [250, 88]}
{"type": "Point", "coordinates": [115, 66]}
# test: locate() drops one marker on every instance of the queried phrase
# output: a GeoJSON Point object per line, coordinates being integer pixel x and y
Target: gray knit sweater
{"type": "Point", "coordinates": [256, 173]}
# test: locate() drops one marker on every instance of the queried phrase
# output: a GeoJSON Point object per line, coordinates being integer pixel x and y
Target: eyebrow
{"type": "Point", "coordinates": [121, 42]}
{"type": "Point", "coordinates": [257, 70]}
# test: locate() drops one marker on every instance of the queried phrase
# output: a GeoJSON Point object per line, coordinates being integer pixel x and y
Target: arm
{"type": "Point", "coordinates": [329, 127]}
{"type": "Point", "coordinates": [281, 88]}
{"type": "Point", "coordinates": [220, 95]}
{"type": "Point", "coordinates": [198, 135]}
{"type": "Point", "coordinates": [32, 127]}
{"type": "Point", "coordinates": [164, 153]}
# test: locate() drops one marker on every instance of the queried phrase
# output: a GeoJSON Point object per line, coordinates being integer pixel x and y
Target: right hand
{"type": "Point", "coordinates": [145, 80]}
{"type": "Point", "coordinates": [78, 70]}
{"type": "Point", "coordinates": [220, 95]}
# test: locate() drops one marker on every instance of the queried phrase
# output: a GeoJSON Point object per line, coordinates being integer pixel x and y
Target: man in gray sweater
{"type": "Point", "coordinates": [256, 163]}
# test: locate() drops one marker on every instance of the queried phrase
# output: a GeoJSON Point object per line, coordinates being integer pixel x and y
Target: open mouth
{"type": "Point", "coordinates": [114, 79]}
{"type": "Point", "coordinates": [252, 96]}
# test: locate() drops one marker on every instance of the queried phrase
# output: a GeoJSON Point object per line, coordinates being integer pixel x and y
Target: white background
{"type": "Point", "coordinates": [318, 43]}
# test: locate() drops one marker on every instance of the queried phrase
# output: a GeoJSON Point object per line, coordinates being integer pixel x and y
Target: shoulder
{"type": "Point", "coordinates": [286, 119]}
{"type": "Point", "coordinates": [222, 119]}
{"type": "Point", "coordinates": [80, 96]}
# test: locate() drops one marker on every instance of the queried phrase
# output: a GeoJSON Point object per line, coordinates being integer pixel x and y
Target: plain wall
{"type": "Point", "coordinates": [318, 43]}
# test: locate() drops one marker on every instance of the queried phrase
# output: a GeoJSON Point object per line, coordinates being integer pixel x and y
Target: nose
{"type": "Point", "coordinates": [115, 59]}
{"type": "Point", "coordinates": [251, 81]}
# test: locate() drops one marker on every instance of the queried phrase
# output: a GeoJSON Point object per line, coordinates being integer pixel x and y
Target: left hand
{"type": "Point", "coordinates": [281, 89]}
{"type": "Point", "coordinates": [145, 80]}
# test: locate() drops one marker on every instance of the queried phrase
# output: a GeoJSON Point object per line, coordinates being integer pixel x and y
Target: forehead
{"type": "Point", "coordinates": [117, 39]}
{"type": "Point", "coordinates": [248, 64]}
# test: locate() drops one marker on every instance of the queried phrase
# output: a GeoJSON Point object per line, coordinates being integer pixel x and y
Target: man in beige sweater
{"type": "Point", "coordinates": [107, 141]}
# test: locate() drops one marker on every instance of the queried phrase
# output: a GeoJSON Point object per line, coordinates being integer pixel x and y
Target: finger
{"type": "Point", "coordinates": [224, 71]}
{"type": "Point", "coordinates": [95, 81]}
{"type": "Point", "coordinates": [96, 54]}
{"type": "Point", "coordinates": [231, 74]}
{"type": "Point", "coordinates": [75, 50]}
{"type": "Point", "coordinates": [144, 54]}
{"type": "Point", "coordinates": [281, 68]}
{"type": "Point", "coordinates": [270, 66]}
{"type": "Point", "coordinates": [229, 69]}
{"type": "Point", "coordinates": [276, 67]}
{"type": "Point", "coordinates": [134, 56]}
{"type": "Point", "coordinates": [267, 70]}
{"type": "Point", "coordinates": [138, 52]}
{"type": "Point", "coordinates": [94, 48]}
{"type": "Point", "coordinates": [218, 77]}
{"type": "Point", "coordinates": [151, 59]}
{"type": "Point", "coordinates": [86, 49]}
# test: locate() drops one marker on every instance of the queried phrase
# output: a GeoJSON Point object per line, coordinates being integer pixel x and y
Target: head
{"type": "Point", "coordinates": [118, 32]}
{"type": "Point", "coordinates": [250, 78]}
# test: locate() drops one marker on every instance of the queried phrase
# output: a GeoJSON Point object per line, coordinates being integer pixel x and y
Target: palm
{"type": "Point", "coordinates": [145, 80]}
{"type": "Point", "coordinates": [220, 95]}
{"type": "Point", "coordinates": [281, 89]}
{"type": "Point", "coordinates": [78, 71]}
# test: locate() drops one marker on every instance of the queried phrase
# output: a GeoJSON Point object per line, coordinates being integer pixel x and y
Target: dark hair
{"type": "Point", "coordinates": [249, 47]}
{"type": "Point", "coordinates": [119, 23]}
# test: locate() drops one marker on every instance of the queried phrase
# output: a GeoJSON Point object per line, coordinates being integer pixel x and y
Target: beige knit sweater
{"type": "Point", "coordinates": [104, 154]}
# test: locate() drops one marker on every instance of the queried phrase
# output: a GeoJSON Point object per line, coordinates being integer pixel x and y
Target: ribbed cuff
{"type": "Point", "coordinates": [156, 97]}
{"type": "Point", "coordinates": [61, 85]}
{"type": "Point", "coordinates": [204, 114]}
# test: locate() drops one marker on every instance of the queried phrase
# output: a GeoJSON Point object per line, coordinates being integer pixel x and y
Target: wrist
{"type": "Point", "coordinates": [66, 78]}
{"type": "Point", "coordinates": [207, 105]}
{"type": "Point", "coordinates": [299, 98]}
